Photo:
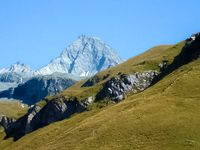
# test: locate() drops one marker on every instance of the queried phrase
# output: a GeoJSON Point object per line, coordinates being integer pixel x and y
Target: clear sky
{"type": "Point", "coordinates": [35, 31]}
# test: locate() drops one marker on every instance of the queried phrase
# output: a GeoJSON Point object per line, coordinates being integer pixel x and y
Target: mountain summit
{"type": "Point", "coordinates": [17, 73]}
{"type": "Point", "coordinates": [84, 57]}
{"type": "Point", "coordinates": [19, 68]}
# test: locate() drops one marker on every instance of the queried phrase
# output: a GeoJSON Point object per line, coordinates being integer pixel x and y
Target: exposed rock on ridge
{"type": "Point", "coordinates": [7, 123]}
{"type": "Point", "coordinates": [117, 87]}
{"type": "Point", "coordinates": [37, 116]}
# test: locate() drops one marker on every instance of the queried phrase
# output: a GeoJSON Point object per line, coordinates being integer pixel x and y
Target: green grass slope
{"type": "Point", "coordinates": [12, 108]}
{"type": "Point", "coordinates": [165, 116]}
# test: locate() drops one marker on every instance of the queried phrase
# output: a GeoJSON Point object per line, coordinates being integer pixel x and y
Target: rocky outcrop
{"type": "Point", "coordinates": [59, 109]}
{"type": "Point", "coordinates": [38, 87]}
{"type": "Point", "coordinates": [6, 123]}
{"type": "Point", "coordinates": [117, 87]}
{"type": "Point", "coordinates": [191, 51]}
{"type": "Point", "coordinates": [37, 117]}
{"type": "Point", "coordinates": [63, 107]}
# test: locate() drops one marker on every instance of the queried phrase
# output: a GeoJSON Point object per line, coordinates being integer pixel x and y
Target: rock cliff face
{"type": "Point", "coordinates": [16, 73]}
{"type": "Point", "coordinates": [38, 87]}
{"type": "Point", "coordinates": [10, 78]}
{"type": "Point", "coordinates": [37, 116]}
{"type": "Point", "coordinates": [7, 123]}
{"type": "Point", "coordinates": [117, 87]}
{"type": "Point", "coordinates": [191, 51]}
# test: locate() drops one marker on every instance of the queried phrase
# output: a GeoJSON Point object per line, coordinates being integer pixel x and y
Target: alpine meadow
{"type": "Point", "coordinates": [94, 96]}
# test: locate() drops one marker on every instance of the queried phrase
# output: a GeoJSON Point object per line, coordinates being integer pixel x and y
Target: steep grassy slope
{"type": "Point", "coordinates": [168, 120]}
{"type": "Point", "coordinates": [165, 116]}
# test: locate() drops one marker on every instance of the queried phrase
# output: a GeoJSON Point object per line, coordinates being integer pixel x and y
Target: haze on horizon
{"type": "Point", "coordinates": [34, 32]}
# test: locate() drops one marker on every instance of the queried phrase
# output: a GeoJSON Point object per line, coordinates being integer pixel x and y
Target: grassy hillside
{"type": "Point", "coordinates": [165, 116]}
{"type": "Point", "coordinates": [12, 108]}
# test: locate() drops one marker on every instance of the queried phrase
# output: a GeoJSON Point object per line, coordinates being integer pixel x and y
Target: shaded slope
{"type": "Point", "coordinates": [38, 88]}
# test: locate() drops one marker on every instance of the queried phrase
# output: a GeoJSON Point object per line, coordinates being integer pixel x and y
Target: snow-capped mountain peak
{"type": "Point", "coordinates": [16, 73]}
{"type": "Point", "coordinates": [19, 68]}
{"type": "Point", "coordinates": [84, 57]}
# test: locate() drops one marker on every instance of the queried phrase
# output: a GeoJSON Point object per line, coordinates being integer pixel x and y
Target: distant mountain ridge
{"type": "Point", "coordinates": [17, 72]}
{"type": "Point", "coordinates": [18, 68]}
{"type": "Point", "coordinates": [38, 87]}
{"type": "Point", "coordinates": [84, 57]}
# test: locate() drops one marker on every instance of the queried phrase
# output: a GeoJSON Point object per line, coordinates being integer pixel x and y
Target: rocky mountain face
{"type": "Point", "coordinates": [190, 52]}
{"type": "Point", "coordinates": [84, 57]}
{"type": "Point", "coordinates": [18, 68]}
{"type": "Point", "coordinates": [116, 88]}
{"type": "Point", "coordinates": [16, 73]}
{"type": "Point", "coordinates": [6, 122]}
{"type": "Point", "coordinates": [38, 117]}
{"type": "Point", "coordinates": [38, 87]}
{"type": "Point", "coordinates": [11, 77]}
{"type": "Point", "coordinates": [6, 85]}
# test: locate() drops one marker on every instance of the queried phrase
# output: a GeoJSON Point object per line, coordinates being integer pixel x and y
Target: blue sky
{"type": "Point", "coordinates": [35, 31]}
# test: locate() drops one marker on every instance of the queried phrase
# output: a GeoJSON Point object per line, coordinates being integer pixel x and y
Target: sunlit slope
{"type": "Point", "coordinates": [12, 108]}
{"type": "Point", "coordinates": [165, 116]}
{"type": "Point", "coordinates": [145, 61]}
